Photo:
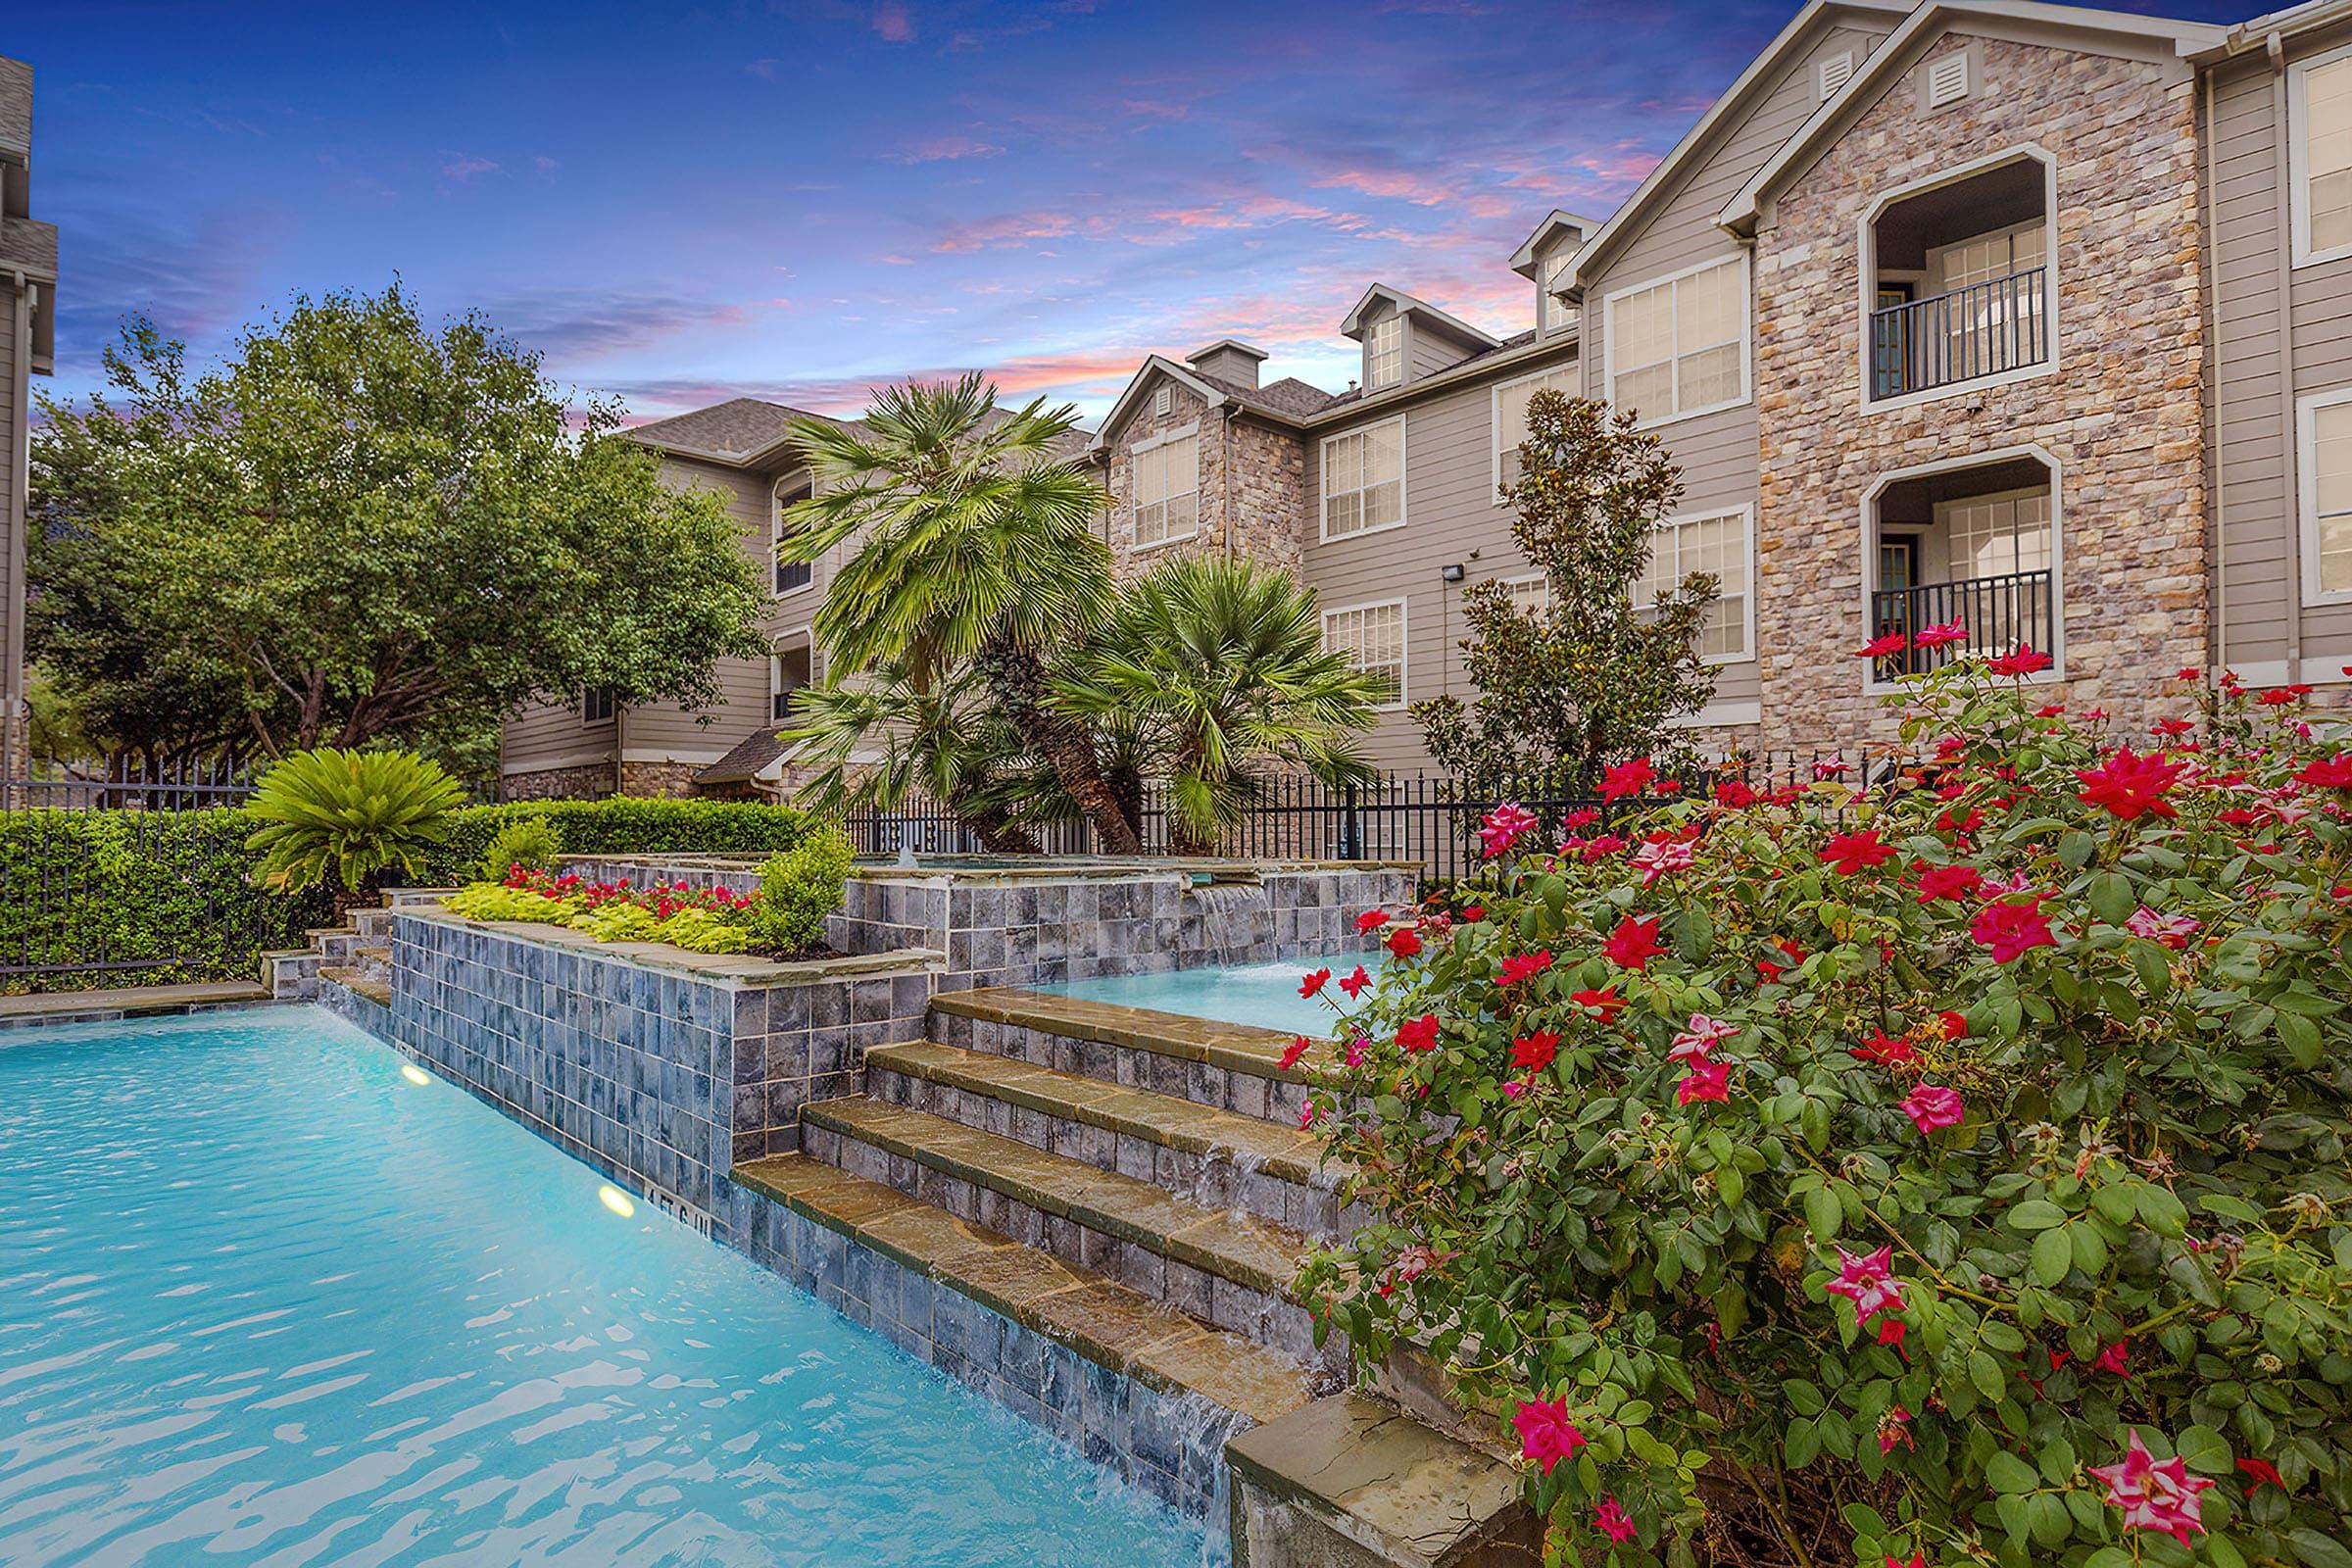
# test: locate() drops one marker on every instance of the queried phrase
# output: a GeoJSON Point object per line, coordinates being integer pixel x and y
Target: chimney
{"type": "Point", "coordinates": [1228, 361]}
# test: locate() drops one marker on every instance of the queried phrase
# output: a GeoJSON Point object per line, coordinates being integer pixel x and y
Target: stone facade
{"type": "Point", "coordinates": [1250, 473]}
{"type": "Point", "coordinates": [592, 781]}
{"type": "Point", "coordinates": [2120, 416]}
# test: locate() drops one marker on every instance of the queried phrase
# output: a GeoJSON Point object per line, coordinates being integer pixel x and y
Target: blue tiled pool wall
{"type": "Point", "coordinates": [349, 1005]}
{"type": "Point", "coordinates": [791, 1045]}
{"type": "Point", "coordinates": [1028, 931]}
{"type": "Point", "coordinates": [1172, 1446]}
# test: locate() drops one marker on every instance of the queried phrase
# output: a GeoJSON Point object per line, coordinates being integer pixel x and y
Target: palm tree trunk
{"type": "Point", "coordinates": [1018, 678]}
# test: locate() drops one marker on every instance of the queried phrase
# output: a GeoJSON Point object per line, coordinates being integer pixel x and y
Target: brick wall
{"type": "Point", "coordinates": [2120, 416]}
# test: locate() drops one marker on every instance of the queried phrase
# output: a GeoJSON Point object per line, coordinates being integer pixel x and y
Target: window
{"type": "Point", "coordinates": [1552, 311]}
{"type": "Point", "coordinates": [2319, 147]}
{"type": "Point", "coordinates": [1995, 536]}
{"type": "Point", "coordinates": [1947, 79]}
{"type": "Point", "coordinates": [1835, 72]}
{"type": "Point", "coordinates": [1717, 543]}
{"type": "Point", "coordinates": [1510, 418]}
{"type": "Point", "coordinates": [2325, 457]}
{"type": "Point", "coordinates": [791, 576]}
{"type": "Point", "coordinates": [1372, 637]}
{"type": "Point", "coordinates": [1363, 481]}
{"type": "Point", "coordinates": [1680, 346]}
{"type": "Point", "coordinates": [1167, 490]}
{"type": "Point", "coordinates": [1528, 595]}
{"type": "Point", "coordinates": [1384, 354]}
{"type": "Point", "coordinates": [596, 706]}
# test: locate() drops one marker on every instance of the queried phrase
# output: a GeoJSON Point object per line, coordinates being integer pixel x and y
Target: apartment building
{"type": "Point", "coordinates": [2026, 316]}
{"type": "Point", "coordinates": [27, 348]}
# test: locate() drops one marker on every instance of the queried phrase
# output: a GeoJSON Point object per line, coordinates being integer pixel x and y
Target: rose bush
{"type": "Point", "coordinates": [1948, 1168]}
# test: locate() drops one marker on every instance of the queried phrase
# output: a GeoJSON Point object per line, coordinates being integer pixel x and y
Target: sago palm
{"type": "Point", "coordinates": [881, 741]}
{"type": "Point", "coordinates": [976, 545]}
{"type": "Point", "coordinates": [1219, 665]}
{"type": "Point", "coordinates": [349, 817]}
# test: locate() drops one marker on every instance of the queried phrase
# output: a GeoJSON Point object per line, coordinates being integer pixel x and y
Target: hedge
{"type": "Point", "coordinates": [165, 898]}
{"type": "Point", "coordinates": [160, 898]}
{"type": "Point", "coordinates": [627, 826]}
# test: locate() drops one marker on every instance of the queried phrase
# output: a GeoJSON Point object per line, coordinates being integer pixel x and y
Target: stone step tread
{"type": "Point", "coordinates": [381, 952]}
{"type": "Point", "coordinates": [1102, 1320]}
{"type": "Point", "coordinates": [1289, 1152]}
{"type": "Point", "coordinates": [320, 931]}
{"type": "Point", "coordinates": [1248, 1251]}
{"type": "Point", "coordinates": [375, 987]}
{"type": "Point", "coordinates": [1234, 1046]}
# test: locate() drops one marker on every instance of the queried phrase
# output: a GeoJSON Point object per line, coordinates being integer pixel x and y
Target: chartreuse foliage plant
{"type": "Point", "coordinates": [347, 817]}
{"type": "Point", "coordinates": [1949, 1169]}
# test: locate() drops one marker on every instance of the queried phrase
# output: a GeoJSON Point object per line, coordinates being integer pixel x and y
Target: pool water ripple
{"type": "Point", "coordinates": [264, 1301]}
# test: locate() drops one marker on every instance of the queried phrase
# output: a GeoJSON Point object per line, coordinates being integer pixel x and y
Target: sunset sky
{"type": "Point", "coordinates": [681, 203]}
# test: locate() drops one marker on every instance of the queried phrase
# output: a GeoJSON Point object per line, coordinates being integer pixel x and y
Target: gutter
{"type": "Point", "coordinates": [2265, 33]}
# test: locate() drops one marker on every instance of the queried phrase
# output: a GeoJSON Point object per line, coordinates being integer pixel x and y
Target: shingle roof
{"type": "Point", "coordinates": [1289, 398]}
{"type": "Point", "coordinates": [738, 428]}
{"type": "Point", "coordinates": [745, 758]}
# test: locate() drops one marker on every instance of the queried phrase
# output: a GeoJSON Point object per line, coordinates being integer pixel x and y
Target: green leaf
{"type": "Point", "coordinates": [2006, 1472]}
{"type": "Point", "coordinates": [1822, 1214]}
{"type": "Point", "coordinates": [1987, 1374]}
{"type": "Point", "coordinates": [2204, 1450]}
{"type": "Point", "coordinates": [2053, 1256]}
{"type": "Point", "coordinates": [2315, 1551]}
{"type": "Point", "coordinates": [2035, 1214]}
{"type": "Point", "coordinates": [2111, 896]}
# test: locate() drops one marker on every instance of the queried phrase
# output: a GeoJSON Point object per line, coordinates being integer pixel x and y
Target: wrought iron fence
{"type": "Point", "coordinates": [1429, 820]}
{"type": "Point", "coordinates": [1945, 339]}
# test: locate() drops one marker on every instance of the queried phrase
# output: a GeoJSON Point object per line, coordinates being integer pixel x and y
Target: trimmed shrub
{"type": "Point", "coordinates": [533, 844]}
{"type": "Point", "coordinates": [799, 887]}
{"type": "Point", "coordinates": [620, 826]}
{"type": "Point", "coordinates": [1952, 1170]}
{"type": "Point", "coordinates": [160, 898]}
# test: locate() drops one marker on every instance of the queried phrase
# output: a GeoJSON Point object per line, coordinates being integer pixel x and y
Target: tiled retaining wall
{"type": "Point", "coordinates": [662, 1075]}
{"type": "Point", "coordinates": [1170, 1446]}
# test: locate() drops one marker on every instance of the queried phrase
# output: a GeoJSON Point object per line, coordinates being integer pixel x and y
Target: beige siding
{"type": "Point", "coordinates": [1452, 516]}
{"type": "Point", "coordinates": [548, 735]}
{"type": "Point", "coordinates": [2264, 304]}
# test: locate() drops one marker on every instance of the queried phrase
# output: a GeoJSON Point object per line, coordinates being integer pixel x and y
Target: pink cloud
{"type": "Point", "coordinates": [893, 21]}
{"type": "Point", "coordinates": [941, 149]}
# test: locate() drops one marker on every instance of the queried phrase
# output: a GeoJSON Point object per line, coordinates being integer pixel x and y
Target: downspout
{"type": "Point", "coordinates": [2218, 639]}
{"type": "Point", "coordinates": [620, 748]}
{"type": "Point", "coordinates": [15, 718]}
{"type": "Point", "coordinates": [2275, 50]}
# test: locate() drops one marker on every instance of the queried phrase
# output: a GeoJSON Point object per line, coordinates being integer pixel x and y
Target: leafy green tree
{"type": "Point", "coordinates": [369, 528]}
{"type": "Point", "coordinates": [976, 544]}
{"type": "Point", "coordinates": [1587, 678]}
{"type": "Point", "coordinates": [1219, 666]}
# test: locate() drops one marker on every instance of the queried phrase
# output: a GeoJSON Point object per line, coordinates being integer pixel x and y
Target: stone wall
{"type": "Point", "coordinates": [2121, 415]}
{"type": "Point", "coordinates": [1254, 473]}
{"type": "Point", "coordinates": [590, 782]}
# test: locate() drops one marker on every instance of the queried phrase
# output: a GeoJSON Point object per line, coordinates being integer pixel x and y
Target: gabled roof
{"type": "Point", "coordinates": [1523, 260]}
{"type": "Point", "coordinates": [1232, 345]}
{"type": "Point", "coordinates": [1453, 326]}
{"type": "Point", "coordinates": [738, 433]}
{"type": "Point", "coordinates": [1903, 48]}
{"type": "Point", "coordinates": [1736, 99]}
{"type": "Point", "coordinates": [757, 756]}
{"type": "Point", "coordinates": [1287, 401]}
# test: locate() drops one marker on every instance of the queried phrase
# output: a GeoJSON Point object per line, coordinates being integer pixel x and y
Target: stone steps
{"type": "Point", "coordinates": [1230, 1270]}
{"type": "Point", "coordinates": [1224, 1159]}
{"type": "Point", "coordinates": [1227, 1066]}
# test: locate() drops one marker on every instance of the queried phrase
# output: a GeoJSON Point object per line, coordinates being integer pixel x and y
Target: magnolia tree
{"type": "Point", "coordinates": [1946, 1170]}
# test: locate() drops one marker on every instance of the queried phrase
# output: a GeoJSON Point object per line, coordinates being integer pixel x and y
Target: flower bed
{"type": "Point", "coordinates": [798, 889]}
{"type": "Point", "coordinates": [1951, 1169]}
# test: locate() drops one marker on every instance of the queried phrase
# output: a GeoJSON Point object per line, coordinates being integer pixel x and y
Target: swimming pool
{"type": "Point", "coordinates": [1266, 995]}
{"type": "Point", "coordinates": [265, 1299]}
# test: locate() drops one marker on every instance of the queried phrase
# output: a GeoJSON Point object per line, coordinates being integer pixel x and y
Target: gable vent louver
{"type": "Point", "coordinates": [1948, 79]}
{"type": "Point", "coordinates": [1161, 402]}
{"type": "Point", "coordinates": [1835, 72]}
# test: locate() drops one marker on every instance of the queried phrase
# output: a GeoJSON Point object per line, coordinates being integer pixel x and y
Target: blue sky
{"type": "Point", "coordinates": [679, 203]}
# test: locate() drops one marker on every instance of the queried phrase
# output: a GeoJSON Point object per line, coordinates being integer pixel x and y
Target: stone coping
{"type": "Point", "coordinates": [1287, 1153]}
{"type": "Point", "coordinates": [1412, 1495]}
{"type": "Point", "coordinates": [1074, 867]}
{"type": "Point", "coordinates": [1234, 1046]}
{"type": "Point", "coordinates": [123, 1002]}
{"type": "Point", "coordinates": [726, 968]}
{"type": "Point", "coordinates": [1259, 1254]}
{"type": "Point", "coordinates": [1110, 1324]}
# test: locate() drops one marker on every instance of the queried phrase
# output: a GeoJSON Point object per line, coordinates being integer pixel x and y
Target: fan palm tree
{"type": "Point", "coordinates": [882, 740]}
{"type": "Point", "coordinates": [1219, 664]}
{"type": "Point", "coordinates": [977, 545]}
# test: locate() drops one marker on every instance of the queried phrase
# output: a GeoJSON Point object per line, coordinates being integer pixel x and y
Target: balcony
{"type": "Point", "coordinates": [1961, 335]}
{"type": "Point", "coordinates": [2001, 614]}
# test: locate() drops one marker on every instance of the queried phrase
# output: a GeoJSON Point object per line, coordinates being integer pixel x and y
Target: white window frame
{"type": "Point", "coordinates": [1523, 579]}
{"type": "Point", "coordinates": [775, 541]}
{"type": "Point", "coordinates": [1494, 421]}
{"type": "Point", "coordinates": [1404, 644]}
{"type": "Point", "coordinates": [1747, 338]}
{"type": "Point", "coordinates": [1135, 504]}
{"type": "Point", "coordinates": [1394, 321]}
{"type": "Point", "coordinates": [2298, 160]}
{"type": "Point", "coordinates": [1866, 246]}
{"type": "Point", "coordinates": [798, 639]}
{"type": "Point", "coordinates": [1553, 315]}
{"type": "Point", "coordinates": [1323, 531]}
{"type": "Point", "coordinates": [1745, 512]}
{"type": "Point", "coordinates": [2307, 484]}
{"type": "Point", "coordinates": [1878, 486]}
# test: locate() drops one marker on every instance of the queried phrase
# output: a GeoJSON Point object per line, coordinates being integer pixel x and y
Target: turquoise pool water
{"type": "Point", "coordinates": [265, 1302]}
{"type": "Point", "coordinates": [1266, 995]}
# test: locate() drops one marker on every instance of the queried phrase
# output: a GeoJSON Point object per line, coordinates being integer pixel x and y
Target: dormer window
{"type": "Point", "coordinates": [1384, 354]}
{"type": "Point", "coordinates": [1554, 312]}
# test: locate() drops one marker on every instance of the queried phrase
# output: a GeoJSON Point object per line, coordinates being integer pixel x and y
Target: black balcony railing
{"type": "Point", "coordinates": [791, 575]}
{"type": "Point", "coordinates": [1969, 333]}
{"type": "Point", "coordinates": [1999, 613]}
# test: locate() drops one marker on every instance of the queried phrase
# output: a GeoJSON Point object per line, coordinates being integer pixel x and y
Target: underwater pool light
{"type": "Point", "coordinates": [614, 1199]}
{"type": "Point", "coordinates": [415, 1074]}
